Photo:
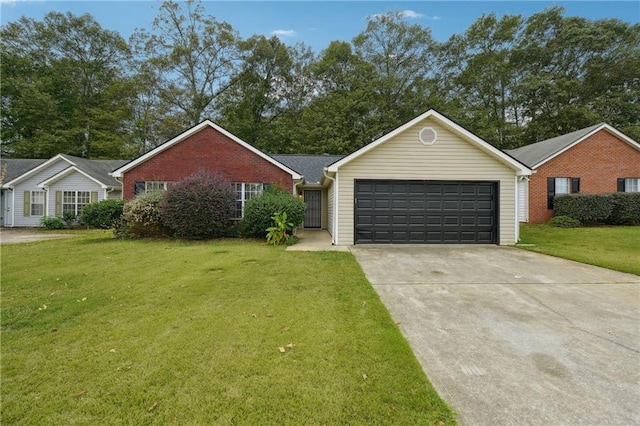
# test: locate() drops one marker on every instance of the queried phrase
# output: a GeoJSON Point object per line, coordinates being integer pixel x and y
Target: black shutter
{"type": "Point", "coordinates": [138, 187]}
{"type": "Point", "coordinates": [551, 192]}
{"type": "Point", "coordinates": [621, 185]}
{"type": "Point", "coordinates": [575, 185]}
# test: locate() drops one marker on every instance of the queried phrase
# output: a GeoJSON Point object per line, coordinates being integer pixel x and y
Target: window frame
{"type": "Point", "coordinates": [635, 184]}
{"type": "Point", "coordinates": [33, 203]}
{"type": "Point", "coordinates": [75, 203]}
{"type": "Point", "coordinates": [155, 185]}
{"type": "Point", "coordinates": [244, 191]}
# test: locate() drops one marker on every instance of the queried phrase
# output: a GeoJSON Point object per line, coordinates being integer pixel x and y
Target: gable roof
{"type": "Point", "coordinates": [97, 170]}
{"type": "Point", "coordinates": [195, 129]}
{"type": "Point", "coordinates": [311, 167]}
{"type": "Point", "coordinates": [539, 153]}
{"type": "Point", "coordinates": [520, 168]}
{"type": "Point", "coordinates": [14, 167]}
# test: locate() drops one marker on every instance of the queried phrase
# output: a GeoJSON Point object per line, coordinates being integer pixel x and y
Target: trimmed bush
{"type": "Point", "coordinates": [259, 211]}
{"type": "Point", "coordinates": [586, 208]}
{"type": "Point", "coordinates": [564, 222]}
{"type": "Point", "coordinates": [626, 208]}
{"type": "Point", "coordinates": [198, 207]}
{"type": "Point", "coordinates": [103, 214]}
{"type": "Point", "coordinates": [141, 217]}
{"type": "Point", "coordinates": [52, 222]}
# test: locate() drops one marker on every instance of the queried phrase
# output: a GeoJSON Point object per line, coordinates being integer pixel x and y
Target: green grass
{"type": "Point", "coordinates": [103, 331]}
{"type": "Point", "coordinates": [616, 248]}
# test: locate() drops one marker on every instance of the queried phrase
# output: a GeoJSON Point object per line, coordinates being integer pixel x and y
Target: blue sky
{"type": "Point", "coordinates": [317, 23]}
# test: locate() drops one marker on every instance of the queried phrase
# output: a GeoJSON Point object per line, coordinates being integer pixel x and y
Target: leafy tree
{"type": "Point", "coordinates": [63, 88]}
{"type": "Point", "coordinates": [256, 98]}
{"type": "Point", "coordinates": [191, 58]}
{"type": "Point", "coordinates": [403, 61]}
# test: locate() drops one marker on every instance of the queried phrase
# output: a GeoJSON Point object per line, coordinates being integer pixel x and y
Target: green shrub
{"type": "Point", "coordinates": [586, 208]}
{"type": "Point", "coordinates": [52, 222]}
{"type": "Point", "coordinates": [141, 217]}
{"type": "Point", "coordinates": [564, 222]}
{"type": "Point", "coordinates": [103, 214]}
{"type": "Point", "coordinates": [259, 211]}
{"type": "Point", "coordinates": [198, 207]}
{"type": "Point", "coordinates": [626, 208]}
{"type": "Point", "coordinates": [280, 232]}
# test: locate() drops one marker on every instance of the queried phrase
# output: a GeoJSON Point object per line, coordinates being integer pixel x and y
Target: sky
{"type": "Point", "coordinates": [317, 23]}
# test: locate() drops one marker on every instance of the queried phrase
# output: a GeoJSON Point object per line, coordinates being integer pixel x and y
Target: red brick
{"type": "Point", "coordinates": [207, 150]}
{"type": "Point", "coordinates": [598, 161]}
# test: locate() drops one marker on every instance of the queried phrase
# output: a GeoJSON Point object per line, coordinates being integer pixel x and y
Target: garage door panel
{"type": "Point", "coordinates": [425, 212]}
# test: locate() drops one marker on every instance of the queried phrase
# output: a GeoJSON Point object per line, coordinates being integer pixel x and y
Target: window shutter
{"type": "Point", "coordinates": [138, 187]}
{"type": "Point", "coordinates": [551, 192]}
{"type": "Point", "coordinates": [94, 197]}
{"type": "Point", "coordinates": [27, 204]}
{"type": "Point", "coordinates": [58, 203]}
{"type": "Point", "coordinates": [575, 185]}
{"type": "Point", "coordinates": [621, 187]}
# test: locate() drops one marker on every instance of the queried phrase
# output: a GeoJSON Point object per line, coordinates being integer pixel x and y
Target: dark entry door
{"type": "Point", "coordinates": [313, 217]}
{"type": "Point", "coordinates": [425, 212]}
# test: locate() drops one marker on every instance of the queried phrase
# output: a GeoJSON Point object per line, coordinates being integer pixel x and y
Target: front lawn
{"type": "Point", "coordinates": [102, 331]}
{"type": "Point", "coordinates": [616, 247]}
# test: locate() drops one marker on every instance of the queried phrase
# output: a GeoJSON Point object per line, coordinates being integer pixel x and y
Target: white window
{"type": "Point", "coordinates": [562, 186]}
{"type": "Point", "coordinates": [37, 203]}
{"type": "Point", "coordinates": [632, 185]}
{"type": "Point", "coordinates": [244, 192]}
{"type": "Point", "coordinates": [74, 201]}
{"type": "Point", "coordinates": [152, 185]}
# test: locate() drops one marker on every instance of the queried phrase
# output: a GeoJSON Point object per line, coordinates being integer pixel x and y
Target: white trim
{"type": "Point", "coordinates": [45, 183]}
{"type": "Point", "coordinates": [37, 169]}
{"type": "Point", "coordinates": [517, 218]}
{"type": "Point", "coordinates": [117, 173]}
{"type": "Point", "coordinates": [521, 169]}
{"type": "Point", "coordinates": [604, 126]}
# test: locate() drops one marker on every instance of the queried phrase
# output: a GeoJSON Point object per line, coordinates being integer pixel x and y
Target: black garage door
{"type": "Point", "coordinates": [432, 212]}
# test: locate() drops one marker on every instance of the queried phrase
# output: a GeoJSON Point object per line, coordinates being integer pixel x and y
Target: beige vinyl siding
{"type": "Point", "coordinates": [330, 207]}
{"type": "Point", "coordinates": [523, 200]}
{"type": "Point", "coordinates": [405, 157]}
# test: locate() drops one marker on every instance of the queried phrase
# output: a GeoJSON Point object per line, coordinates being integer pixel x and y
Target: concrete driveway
{"type": "Point", "coordinates": [514, 337]}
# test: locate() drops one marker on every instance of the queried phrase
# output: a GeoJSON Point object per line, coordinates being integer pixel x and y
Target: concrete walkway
{"type": "Point", "coordinates": [510, 337]}
{"type": "Point", "coordinates": [315, 240]}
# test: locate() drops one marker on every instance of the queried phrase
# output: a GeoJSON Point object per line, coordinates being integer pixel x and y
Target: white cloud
{"type": "Point", "coordinates": [284, 33]}
{"type": "Point", "coordinates": [9, 2]}
{"type": "Point", "coordinates": [410, 14]}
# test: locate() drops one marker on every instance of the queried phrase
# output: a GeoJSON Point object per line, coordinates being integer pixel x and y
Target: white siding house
{"type": "Point", "coordinates": [61, 184]}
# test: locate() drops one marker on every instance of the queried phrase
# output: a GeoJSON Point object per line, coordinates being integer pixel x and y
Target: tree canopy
{"type": "Point", "coordinates": [70, 86]}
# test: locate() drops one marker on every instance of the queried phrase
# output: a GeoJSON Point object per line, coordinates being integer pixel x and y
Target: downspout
{"type": "Point", "coordinates": [335, 207]}
{"type": "Point", "coordinates": [517, 210]}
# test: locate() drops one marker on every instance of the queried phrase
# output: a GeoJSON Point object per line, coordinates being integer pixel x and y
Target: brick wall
{"type": "Point", "coordinates": [207, 150]}
{"type": "Point", "coordinates": [598, 161]}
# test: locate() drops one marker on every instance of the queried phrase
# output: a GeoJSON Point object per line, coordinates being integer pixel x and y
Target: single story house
{"type": "Point", "coordinates": [32, 188]}
{"type": "Point", "coordinates": [428, 181]}
{"type": "Point", "coordinates": [595, 160]}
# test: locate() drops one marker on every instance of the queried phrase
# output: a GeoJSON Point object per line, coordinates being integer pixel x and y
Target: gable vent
{"type": "Point", "coordinates": [428, 136]}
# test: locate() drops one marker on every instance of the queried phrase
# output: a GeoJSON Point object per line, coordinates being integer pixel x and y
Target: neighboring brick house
{"type": "Point", "coordinates": [206, 147]}
{"type": "Point", "coordinates": [595, 160]}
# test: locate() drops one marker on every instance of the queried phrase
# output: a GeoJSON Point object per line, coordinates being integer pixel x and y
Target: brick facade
{"type": "Point", "coordinates": [598, 161]}
{"type": "Point", "coordinates": [207, 150]}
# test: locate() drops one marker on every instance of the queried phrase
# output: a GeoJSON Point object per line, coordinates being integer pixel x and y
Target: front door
{"type": "Point", "coordinates": [313, 216]}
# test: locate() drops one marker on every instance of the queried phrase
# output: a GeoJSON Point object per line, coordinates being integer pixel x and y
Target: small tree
{"type": "Point", "coordinates": [259, 211]}
{"type": "Point", "coordinates": [198, 207]}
